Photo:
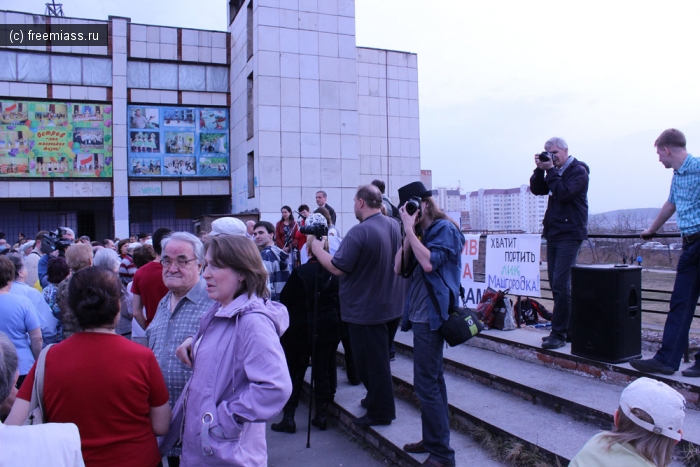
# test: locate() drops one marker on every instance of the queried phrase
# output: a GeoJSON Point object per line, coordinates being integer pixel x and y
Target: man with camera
{"type": "Point", "coordinates": [430, 256]}
{"type": "Point", "coordinates": [274, 258]}
{"type": "Point", "coordinates": [53, 244]}
{"type": "Point", "coordinates": [565, 180]}
{"type": "Point", "coordinates": [364, 263]}
{"type": "Point", "coordinates": [684, 199]}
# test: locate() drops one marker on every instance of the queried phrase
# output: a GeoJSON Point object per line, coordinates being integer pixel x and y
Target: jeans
{"type": "Point", "coordinates": [370, 348]}
{"type": "Point", "coordinates": [684, 297]}
{"type": "Point", "coordinates": [429, 384]}
{"type": "Point", "coordinates": [561, 256]}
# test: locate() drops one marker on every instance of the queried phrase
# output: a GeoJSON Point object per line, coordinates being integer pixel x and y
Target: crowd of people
{"type": "Point", "coordinates": [179, 346]}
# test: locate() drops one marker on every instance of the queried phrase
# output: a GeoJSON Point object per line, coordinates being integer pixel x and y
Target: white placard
{"type": "Point", "coordinates": [473, 290]}
{"type": "Point", "coordinates": [513, 262]}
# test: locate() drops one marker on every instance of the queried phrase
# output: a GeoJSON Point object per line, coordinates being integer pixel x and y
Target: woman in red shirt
{"type": "Point", "coordinates": [110, 387]}
{"type": "Point", "coordinates": [285, 230]}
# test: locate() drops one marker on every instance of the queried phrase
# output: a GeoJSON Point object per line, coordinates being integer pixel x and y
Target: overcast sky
{"type": "Point", "coordinates": [497, 78]}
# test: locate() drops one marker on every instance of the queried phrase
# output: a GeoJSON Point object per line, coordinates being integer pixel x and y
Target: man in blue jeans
{"type": "Point", "coordinates": [565, 226]}
{"type": "Point", "coordinates": [430, 255]}
{"type": "Point", "coordinates": [685, 200]}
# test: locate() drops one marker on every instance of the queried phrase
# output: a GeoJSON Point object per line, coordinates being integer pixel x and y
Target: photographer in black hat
{"type": "Point", "coordinates": [431, 256]}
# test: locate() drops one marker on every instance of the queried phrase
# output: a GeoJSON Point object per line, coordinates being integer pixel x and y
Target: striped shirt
{"type": "Point", "coordinates": [278, 269]}
{"type": "Point", "coordinates": [685, 195]}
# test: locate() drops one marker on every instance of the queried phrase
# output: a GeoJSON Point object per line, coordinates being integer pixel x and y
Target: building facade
{"type": "Point", "coordinates": [513, 209]}
{"type": "Point", "coordinates": [165, 124]}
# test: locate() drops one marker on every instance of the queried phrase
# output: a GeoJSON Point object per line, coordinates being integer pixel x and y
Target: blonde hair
{"type": "Point", "coordinates": [323, 240]}
{"type": "Point", "coordinates": [79, 256]}
{"type": "Point", "coordinates": [655, 448]}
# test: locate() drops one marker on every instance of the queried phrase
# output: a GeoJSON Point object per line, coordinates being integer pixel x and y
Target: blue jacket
{"type": "Point", "coordinates": [567, 209]}
{"type": "Point", "coordinates": [445, 243]}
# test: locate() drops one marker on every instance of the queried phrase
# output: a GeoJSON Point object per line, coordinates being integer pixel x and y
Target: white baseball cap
{"type": "Point", "coordinates": [315, 220]}
{"type": "Point", "coordinates": [228, 226]}
{"type": "Point", "coordinates": [663, 404]}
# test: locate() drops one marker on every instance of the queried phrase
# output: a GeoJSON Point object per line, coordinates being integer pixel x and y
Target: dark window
{"type": "Point", "coordinates": [249, 28]}
{"type": "Point", "coordinates": [251, 115]}
{"type": "Point", "coordinates": [251, 174]}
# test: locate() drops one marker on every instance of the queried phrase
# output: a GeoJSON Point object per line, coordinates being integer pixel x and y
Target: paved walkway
{"type": "Point", "coordinates": [330, 448]}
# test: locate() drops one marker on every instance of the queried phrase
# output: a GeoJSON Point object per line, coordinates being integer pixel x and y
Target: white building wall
{"type": "Point", "coordinates": [511, 209]}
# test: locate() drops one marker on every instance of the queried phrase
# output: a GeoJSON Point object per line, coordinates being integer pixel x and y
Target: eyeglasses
{"type": "Point", "coordinates": [179, 262]}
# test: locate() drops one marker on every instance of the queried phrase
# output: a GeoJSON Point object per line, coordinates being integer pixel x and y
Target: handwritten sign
{"type": "Point", "coordinates": [470, 253]}
{"type": "Point", "coordinates": [513, 262]}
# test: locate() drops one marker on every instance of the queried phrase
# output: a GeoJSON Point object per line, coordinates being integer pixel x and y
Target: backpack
{"type": "Point", "coordinates": [530, 311]}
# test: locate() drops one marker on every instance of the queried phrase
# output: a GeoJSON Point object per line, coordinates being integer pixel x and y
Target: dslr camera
{"type": "Point", "coordinates": [545, 156]}
{"type": "Point", "coordinates": [413, 205]}
{"type": "Point", "coordinates": [53, 241]}
{"type": "Point", "coordinates": [317, 230]}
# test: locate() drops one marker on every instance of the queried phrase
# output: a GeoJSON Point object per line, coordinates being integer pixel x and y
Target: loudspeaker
{"type": "Point", "coordinates": [606, 312]}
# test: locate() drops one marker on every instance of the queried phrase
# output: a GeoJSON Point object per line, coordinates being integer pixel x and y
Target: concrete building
{"type": "Point", "coordinates": [191, 122]}
{"type": "Point", "coordinates": [448, 200]}
{"type": "Point", "coordinates": [513, 209]}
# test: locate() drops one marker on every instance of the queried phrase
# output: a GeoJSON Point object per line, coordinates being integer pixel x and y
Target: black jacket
{"type": "Point", "coordinates": [567, 209]}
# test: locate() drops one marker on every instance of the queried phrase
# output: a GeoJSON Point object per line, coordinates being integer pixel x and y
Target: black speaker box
{"type": "Point", "coordinates": [606, 312]}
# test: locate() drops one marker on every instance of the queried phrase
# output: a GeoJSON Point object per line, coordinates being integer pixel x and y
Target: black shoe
{"type": "Point", "coordinates": [366, 421]}
{"type": "Point", "coordinates": [651, 365]}
{"type": "Point", "coordinates": [392, 356]}
{"type": "Point", "coordinates": [692, 371]}
{"type": "Point", "coordinates": [287, 425]}
{"type": "Point", "coordinates": [320, 420]}
{"type": "Point", "coordinates": [415, 448]}
{"type": "Point", "coordinates": [363, 403]}
{"type": "Point", "coordinates": [553, 343]}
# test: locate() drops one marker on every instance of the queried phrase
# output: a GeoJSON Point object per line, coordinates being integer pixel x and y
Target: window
{"type": "Point", "coordinates": [234, 6]}
{"type": "Point", "coordinates": [249, 28]}
{"type": "Point", "coordinates": [251, 174]}
{"type": "Point", "coordinates": [250, 109]}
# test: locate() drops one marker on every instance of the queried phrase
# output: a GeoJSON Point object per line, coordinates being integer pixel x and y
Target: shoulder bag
{"type": "Point", "coordinates": [36, 406]}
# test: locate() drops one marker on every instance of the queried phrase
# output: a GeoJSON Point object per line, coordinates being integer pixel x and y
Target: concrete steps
{"type": "Point", "coordinates": [504, 388]}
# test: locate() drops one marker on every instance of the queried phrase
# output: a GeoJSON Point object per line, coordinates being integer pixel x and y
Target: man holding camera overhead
{"type": "Point", "coordinates": [565, 180]}
{"type": "Point", "coordinates": [365, 263]}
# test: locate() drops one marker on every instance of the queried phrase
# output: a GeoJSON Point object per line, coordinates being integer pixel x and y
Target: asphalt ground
{"type": "Point", "coordinates": [330, 448]}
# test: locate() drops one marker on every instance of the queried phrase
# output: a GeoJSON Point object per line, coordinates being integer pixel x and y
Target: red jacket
{"type": "Point", "coordinates": [279, 232]}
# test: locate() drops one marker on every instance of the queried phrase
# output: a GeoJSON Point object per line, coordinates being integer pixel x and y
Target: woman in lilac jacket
{"type": "Point", "coordinates": [240, 377]}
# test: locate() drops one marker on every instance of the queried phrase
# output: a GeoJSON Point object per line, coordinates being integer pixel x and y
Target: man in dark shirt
{"type": "Point", "coordinates": [321, 198]}
{"type": "Point", "coordinates": [364, 262]}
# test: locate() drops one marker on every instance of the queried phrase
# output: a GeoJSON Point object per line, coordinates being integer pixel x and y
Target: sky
{"type": "Point", "coordinates": [497, 78]}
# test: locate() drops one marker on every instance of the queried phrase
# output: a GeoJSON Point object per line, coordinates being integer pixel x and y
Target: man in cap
{"type": "Point", "coordinates": [431, 257]}
{"type": "Point", "coordinates": [685, 200]}
{"type": "Point", "coordinates": [228, 226]}
{"type": "Point", "coordinates": [274, 258]}
{"type": "Point", "coordinates": [364, 262]}
{"type": "Point", "coordinates": [648, 424]}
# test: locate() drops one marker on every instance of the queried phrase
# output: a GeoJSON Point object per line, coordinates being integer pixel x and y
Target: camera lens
{"type": "Point", "coordinates": [545, 156]}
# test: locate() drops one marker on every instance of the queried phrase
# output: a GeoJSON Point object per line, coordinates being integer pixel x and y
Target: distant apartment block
{"type": "Point", "coordinates": [448, 200]}
{"type": "Point", "coordinates": [512, 209]}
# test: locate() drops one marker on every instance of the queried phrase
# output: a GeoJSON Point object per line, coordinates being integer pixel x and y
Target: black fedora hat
{"type": "Point", "coordinates": [413, 189]}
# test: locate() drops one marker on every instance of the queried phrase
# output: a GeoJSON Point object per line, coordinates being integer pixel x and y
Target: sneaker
{"type": "Point", "coordinates": [651, 365]}
{"type": "Point", "coordinates": [692, 371]}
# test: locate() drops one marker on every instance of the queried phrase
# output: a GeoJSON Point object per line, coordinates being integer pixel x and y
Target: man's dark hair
{"type": "Point", "coordinates": [93, 296]}
{"type": "Point", "coordinates": [17, 262]}
{"type": "Point", "coordinates": [57, 270]}
{"type": "Point", "coordinates": [142, 235]}
{"type": "Point", "coordinates": [379, 184]}
{"type": "Point", "coordinates": [95, 243]}
{"type": "Point", "coordinates": [106, 241]}
{"type": "Point", "coordinates": [670, 138]}
{"type": "Point", "coordinates": [158, 237]}
{"type": "Point", "coordinates": [40, 234]}
{"type": "Point", "coordinates": [371, 195]}
{"type": "Point", "coordinates": [303, 207]}
{"type": "Point", "coordinates": [325, 195]}
{"type": "Point", "coordinates": [266, 225]}
{"type": "Point", "coordinates": [144, 255]}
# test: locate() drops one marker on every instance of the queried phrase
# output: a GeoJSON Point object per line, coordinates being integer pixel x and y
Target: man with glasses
{"type": "Point", "coordinates": [179, 312]}
{"type": "Point", "coordinates": [565, 180]}
{"type": "Point", "coordinates": [148, 287]}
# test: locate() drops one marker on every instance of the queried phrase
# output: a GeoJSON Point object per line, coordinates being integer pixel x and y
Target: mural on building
{"type": "Point", "coordinates": [178, 141]}
{"type": "Point", "coordinates": [55, 139]}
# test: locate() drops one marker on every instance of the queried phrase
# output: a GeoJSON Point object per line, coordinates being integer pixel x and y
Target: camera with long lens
{"type": "Point", "coordinates": [545, 156]}
{"type": "Point", "coordinates": [317, 230]}
{"type": "Point", "coordinates": [53, 241]}
{"type": "Point", "coordinates": [413, 205]}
